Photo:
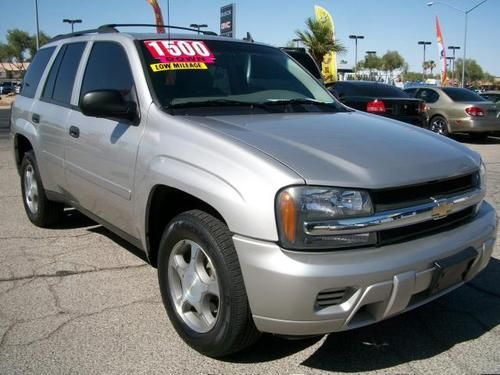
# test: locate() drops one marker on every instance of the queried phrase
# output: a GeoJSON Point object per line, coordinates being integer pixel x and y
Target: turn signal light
{"type": "Point", "coordinates": [287, 216]}
{"type": "Point", "coordinates": [474, 111]}
{"type": "Point", "coordinates": [375, 106]}
{"type": "Point", "coordinates": [422, 108]}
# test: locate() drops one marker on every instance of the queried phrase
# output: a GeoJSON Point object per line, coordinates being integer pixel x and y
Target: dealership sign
{"type": "Point", "coordinates": [227, 18]}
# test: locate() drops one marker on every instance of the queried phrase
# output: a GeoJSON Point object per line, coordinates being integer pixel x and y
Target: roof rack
{"type": "Point", "coordinates": [111, 28]}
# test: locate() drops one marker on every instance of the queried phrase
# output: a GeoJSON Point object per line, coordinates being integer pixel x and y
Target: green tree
{"type": "Point", "coordinates": [473, 71]}
{"type": "Point", "coordinates": [391, 61]}
{"type": "Point", "coordinates": [371, 62]}
{"type": "Point", "coordinates": [42, 39]}
{"type": "Point", "coordinates": [318, 38]}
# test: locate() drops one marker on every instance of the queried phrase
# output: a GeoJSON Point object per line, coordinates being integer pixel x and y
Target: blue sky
{"type": "Point", "coordinates": [386, 24]}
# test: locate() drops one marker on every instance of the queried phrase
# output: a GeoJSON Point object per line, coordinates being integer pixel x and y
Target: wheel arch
{"type": "Point", "coordinates": [163, 204]}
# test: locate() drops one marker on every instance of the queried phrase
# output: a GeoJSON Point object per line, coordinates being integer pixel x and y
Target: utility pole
{"type": "Point", "coordinates": [356, 37]}
{"type": "Point", "coordinates": [423, 43]}
{"type": "Point", "coordinates": [453, 48]}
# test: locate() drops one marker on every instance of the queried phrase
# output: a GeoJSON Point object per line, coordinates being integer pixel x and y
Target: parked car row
{"type": "Point", "coordinates": [7, 87]}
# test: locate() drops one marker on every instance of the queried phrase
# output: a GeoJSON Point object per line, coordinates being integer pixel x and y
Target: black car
{"type": "Point", "coordinates": [381, 99]}
{"type": "Point", "coordinates": [7, 87]}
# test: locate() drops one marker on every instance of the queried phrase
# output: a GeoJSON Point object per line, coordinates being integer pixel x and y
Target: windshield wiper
{"type": "Point", "coordinates": [330, 105]}
{"type": "Point", "coordinates": [218, 103]}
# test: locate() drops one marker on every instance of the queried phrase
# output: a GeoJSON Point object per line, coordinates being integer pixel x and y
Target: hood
{"type": "Point", "coordinates": [349, 149]}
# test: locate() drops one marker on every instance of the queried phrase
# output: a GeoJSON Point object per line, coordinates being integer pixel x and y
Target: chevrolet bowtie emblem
{"type": "Point", "coordinates": [442, 210]}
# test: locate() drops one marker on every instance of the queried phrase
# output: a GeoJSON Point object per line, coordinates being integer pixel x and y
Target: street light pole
{"type": "Point", "coordinates": [423, 43]}
{"type": "Point", "coordinates": [297, 41]}
{"type": "Point", "coordinates": [198, 26]}
{"type": "Point", "coordinates": [37, 26]}
{"type": "Point", "coordinates": [453, 48]}
{"type": "Point", "coordinates": [466, 13]}
{"type": "Point", "coordinates": [72, 23]}
{"type": "Point", "coordinates": [356, 37]}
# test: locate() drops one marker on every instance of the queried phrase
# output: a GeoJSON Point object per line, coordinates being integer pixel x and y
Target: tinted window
{"type": "Point", "coordinates": [35, 71]}
{"type": "Point", "coordinates": [462, 95]}
{"type": "Point", "coordinates": [48, 90]}
{"type": "Point", "coordinates": [67, 72]}
{"type": "Point", "coordinates": [428, 95]}
{"type": "Point", "coordinates": [369, 89]}
{"type": "Point", "coordinates": [107, 69]}
{"type": "Point", "coordinates": [306, 61]}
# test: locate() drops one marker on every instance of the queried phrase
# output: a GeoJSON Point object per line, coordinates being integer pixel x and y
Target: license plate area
{"type": "Point", "coordinates": [452, 270]}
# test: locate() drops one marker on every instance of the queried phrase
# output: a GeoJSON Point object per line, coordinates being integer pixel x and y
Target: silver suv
{"type": "Point", "coordinates": [265, 204]}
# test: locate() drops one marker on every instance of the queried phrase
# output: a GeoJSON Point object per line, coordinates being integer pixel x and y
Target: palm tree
{"type": "Point", "coordinates": [432, 65]}
{"type": "Point", "coordinates": [318, 38]}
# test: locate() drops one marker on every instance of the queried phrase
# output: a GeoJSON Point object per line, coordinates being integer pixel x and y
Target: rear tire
{"type": "Point", "coordinates": [40, 211]}
{"type": "Point", "coordinates": [202, 286]}
{"type": "Point", "coordinates": [438, 124]}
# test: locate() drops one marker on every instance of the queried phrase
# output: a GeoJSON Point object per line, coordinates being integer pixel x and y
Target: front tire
{"type": "Point", "coordinates": [439, 125]}
{"type": "Point", "coordinates": [40, 210]}
{"type": "Point", "coordinates": [202, 286]}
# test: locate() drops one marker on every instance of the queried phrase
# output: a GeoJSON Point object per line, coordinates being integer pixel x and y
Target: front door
{"type": "Point", "coordinates": [101, 153]}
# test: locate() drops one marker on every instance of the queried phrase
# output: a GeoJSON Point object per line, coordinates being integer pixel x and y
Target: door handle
{"type": "Point", "coordinates": [74, 131]}
{"type": "Point", "coordinates": [36, 118]}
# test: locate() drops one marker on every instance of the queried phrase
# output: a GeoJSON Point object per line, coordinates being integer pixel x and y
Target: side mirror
{"type": "Point", "coordinates": [108, 104]}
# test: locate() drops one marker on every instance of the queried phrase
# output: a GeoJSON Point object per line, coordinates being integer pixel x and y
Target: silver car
{"type": "Point", "coordinates": [265, 204]}
{"type": "Point", "coordinates": [457, 110]}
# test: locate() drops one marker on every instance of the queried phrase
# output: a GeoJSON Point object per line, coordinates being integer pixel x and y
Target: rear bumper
{"type": "Point", "coordinates": [373, 284]}
{"type": "Point", "coordinates": [489, 124]}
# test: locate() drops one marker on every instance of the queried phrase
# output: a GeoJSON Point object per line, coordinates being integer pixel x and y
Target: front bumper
{"type": "Point", "coordinates": [374, 284]}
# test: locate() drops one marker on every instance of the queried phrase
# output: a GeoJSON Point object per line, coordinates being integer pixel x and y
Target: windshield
{"type": "Point", "coordinates": [193, 73]}
{"type": "Point", "coordinates": [462, 95]}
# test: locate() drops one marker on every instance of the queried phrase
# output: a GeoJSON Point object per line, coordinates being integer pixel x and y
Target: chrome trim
{"type": "Point", "coordinates": [435, 210]}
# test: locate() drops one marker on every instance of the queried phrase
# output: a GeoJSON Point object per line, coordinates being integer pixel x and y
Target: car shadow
{"type": "Point", "coordinates": [464, 138]}
{"type": "Point", "coordinates": [74, 219]}
{"type": "Point", "coordinates": [463, 315]}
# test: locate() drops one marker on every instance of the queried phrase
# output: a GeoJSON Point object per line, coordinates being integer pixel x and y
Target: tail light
{"type": "Point", "coordinates": [422, 107]}
{"type": "Point", "coordinates": [474, 111]}
{"type": "Point", "coordinates": [375, 106]}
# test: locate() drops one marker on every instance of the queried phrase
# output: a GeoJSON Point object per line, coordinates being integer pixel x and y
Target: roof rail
{"type": "Point", "coordinates": [99, 30]}
{"type": "Point", "coordinates": [111, 28]}
{"type": "Point", "coordinates": [115, 25]}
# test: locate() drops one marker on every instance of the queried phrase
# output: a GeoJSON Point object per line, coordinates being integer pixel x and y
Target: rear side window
{"type": "Point", "coordinates": [462, 95]}
{"type": "Point", "coordinates": [35, 71]}
{"type": "Point", "coordinates": [61, 78]}
{"type": "Point", "coordinates": [107, 69]}
{"type": "Point", "coordinates": [428, 95]}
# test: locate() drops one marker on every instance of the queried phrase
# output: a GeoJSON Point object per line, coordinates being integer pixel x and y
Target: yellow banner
{"type": "Point", "coordinates": [329, 64]}
{"type": "Point", "coordinates": [161, 67]}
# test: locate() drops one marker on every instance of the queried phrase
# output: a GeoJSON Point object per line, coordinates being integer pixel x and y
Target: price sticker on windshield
{"type": "Point", "coordinates": [179, 54]}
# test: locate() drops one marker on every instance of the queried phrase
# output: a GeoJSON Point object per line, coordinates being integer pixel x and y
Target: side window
{"type": "Point", "coordinates": [108, 69]}
{"type": "Point", "coordinates": [411, 92]}
{"type": "Point", "coordinates": [61, 78]}
{"type": "Point", "coordinates": [429, 96]}
{"type": "Point", "coordinates": [35, 71]}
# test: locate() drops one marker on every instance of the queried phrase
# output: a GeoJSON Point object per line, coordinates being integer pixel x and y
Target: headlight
{"type": "Point", "coordinates": [299, 206]}
{"type": "Point", "coordinates": [482, 176]}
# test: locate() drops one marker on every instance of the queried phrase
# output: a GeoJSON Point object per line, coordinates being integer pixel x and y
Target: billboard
{"type": "Point", "coordinates": [227, 20]}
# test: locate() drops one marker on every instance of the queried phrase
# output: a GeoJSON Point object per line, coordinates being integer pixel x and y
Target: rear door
{"type": "Point", "coordinates": [51, 112]}
{"type": "Point", "coordinates": [101, 153]}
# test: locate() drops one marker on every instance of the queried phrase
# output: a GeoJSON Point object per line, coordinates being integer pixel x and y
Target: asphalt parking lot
{"type": "Point", "coordinates": [77, 299]}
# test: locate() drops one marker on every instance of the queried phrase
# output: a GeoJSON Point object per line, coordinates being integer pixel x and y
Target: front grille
{"type": "Point", "coordinates": [426, 228]}
{"type": "Point", "coordinates": [406, 196]}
